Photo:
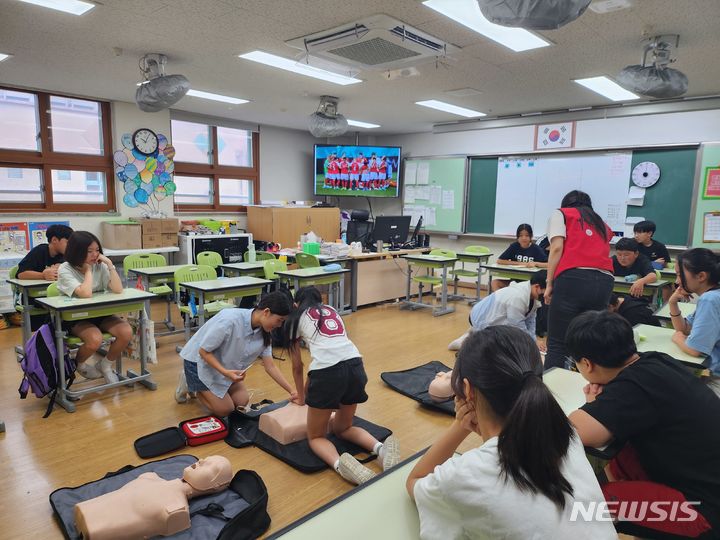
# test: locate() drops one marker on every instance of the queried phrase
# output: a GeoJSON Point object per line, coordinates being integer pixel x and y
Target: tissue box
{"type": "Point", "coordinates": [313, 248]}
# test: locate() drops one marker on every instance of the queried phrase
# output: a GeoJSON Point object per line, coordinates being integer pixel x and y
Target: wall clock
{"type": "Point", "coordinates": [645, 174]}
{"type": "Point", "coordinates": [145, 141]}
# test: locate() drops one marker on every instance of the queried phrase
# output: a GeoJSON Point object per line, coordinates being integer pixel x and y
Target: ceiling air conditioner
{"type": "Point", "coordinates": [376, 43]}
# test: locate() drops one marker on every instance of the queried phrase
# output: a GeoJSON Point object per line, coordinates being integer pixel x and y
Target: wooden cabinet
{"type": "Point", "coordinates": [285, 225]}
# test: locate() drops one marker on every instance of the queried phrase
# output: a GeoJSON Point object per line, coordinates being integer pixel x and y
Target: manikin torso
{"type": "Point", "coordinates": [150, 506]}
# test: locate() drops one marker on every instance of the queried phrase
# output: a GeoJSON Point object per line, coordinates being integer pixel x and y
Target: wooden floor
{"type": "Point", "coordinates": [40, 455]}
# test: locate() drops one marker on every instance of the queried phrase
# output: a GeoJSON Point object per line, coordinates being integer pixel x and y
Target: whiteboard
{"type": "Point", "coordinates": [529, 188]}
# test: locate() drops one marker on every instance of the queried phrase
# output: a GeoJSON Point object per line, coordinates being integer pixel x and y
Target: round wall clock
{"type": "Point", "coordinates": [645, 174]}
{"type": "Point", "coordinates": [145, 141]}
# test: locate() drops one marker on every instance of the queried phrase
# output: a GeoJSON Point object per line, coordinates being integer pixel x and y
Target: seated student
{"type": "Point", "coordinates": [522, 252]}
{"type": "Point", "coordinates": [221, 351]}
{"type": "Point", "coordinates": [523, 481]}
{"type": "Point", "coordinates": [43, 261]}
{"type": "Point", "coordinates": [698, 272]}
{"type": "Point", "coordinates": [628, 261]}
{"type": "Point", "coordinates": [516, 305]}
{"type": "Point", "coordinates": [668, 420]}
{"type": "Point", "coordinates": [87, 271]}
{"type": "Point", "coordinates": [652, 249]}
{"type": "Point", "coordinates": [632, 310]}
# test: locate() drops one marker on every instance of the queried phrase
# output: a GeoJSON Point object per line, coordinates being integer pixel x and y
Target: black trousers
{"type": "Point", "coordinates": [574, 292]}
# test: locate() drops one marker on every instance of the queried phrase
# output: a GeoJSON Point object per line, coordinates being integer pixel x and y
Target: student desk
{"type": "Point", "coordinates": [509, 271]}
{"type": "Point", "coordinates": [432, 262]}
{"type": "Point", "coordinates": [166, 273]}
{"type": "Point", "coordinates": [63, 308]}
{"type": "Point", "coordinates": [660, 340]}
{"type": "Point", "coordinates": [651, 289]}
{"type": "Point", "coordinates": [29, 289]}
{"type": "Point", "coordinates": [478, 259]}
{"type": "Point", "coordinates": [686, 308]}
{"type": "Point", "coordinates": [252, 269]}
{"type": "Point", "coordinates": [310, 276]}
{"type": "Point", "coordinates": [219, 289]}
{"type": "Point", "coordinates": [380, 508]}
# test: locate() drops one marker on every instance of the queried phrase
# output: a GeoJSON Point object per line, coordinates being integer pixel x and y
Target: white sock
{"type": "Point", "coordinates": [336, 466]}
{"type": "Point", "coordinates": [377, 448]}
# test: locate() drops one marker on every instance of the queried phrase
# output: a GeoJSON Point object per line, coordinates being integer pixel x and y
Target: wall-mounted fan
{"type": "Point", "coordinates": [159, 91]}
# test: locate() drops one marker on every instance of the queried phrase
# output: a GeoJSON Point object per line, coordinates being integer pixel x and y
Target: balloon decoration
{"type": "Point", "coordinates": [146, 179]}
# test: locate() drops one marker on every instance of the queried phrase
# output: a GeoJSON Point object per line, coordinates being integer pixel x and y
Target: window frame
{"type": "Point", "coordinates": [46, 160]}
{"type": "Point", "coordinates": [215, 171]}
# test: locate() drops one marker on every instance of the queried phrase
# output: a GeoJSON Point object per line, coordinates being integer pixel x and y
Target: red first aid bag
{"type": "Point", "coordinates": [193, 432]}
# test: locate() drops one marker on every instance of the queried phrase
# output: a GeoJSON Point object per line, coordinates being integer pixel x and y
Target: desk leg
{"type": "Point", "coordinates": [477, 290]}
{"type": "Point", "coordinates": [444, 309]}
{"type": "Point", "coordinates": [144, 321]}
{"type": "Point", "coordinates": [26, 331]}
{"type": "Point", "coordinates": [353, 284]}
{"type": "Point", "coordinates": [60, 398]}
{"type": "Point", "coordinates": [201, 309]}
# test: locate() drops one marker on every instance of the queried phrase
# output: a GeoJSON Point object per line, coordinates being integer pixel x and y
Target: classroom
{"type": "Point", "coordinates": [492, 225]}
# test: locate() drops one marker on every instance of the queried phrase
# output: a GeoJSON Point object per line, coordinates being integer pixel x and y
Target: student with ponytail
{"type": "Point", "coordinates": [698, 272]}
{"type": "Point", "coordinates": [522, 482]}
{"type": "Point", "coordinates": [580, 271]}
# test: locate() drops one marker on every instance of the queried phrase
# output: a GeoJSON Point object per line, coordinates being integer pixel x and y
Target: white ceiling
{"type": "Point", "coordinates": [202, 38]}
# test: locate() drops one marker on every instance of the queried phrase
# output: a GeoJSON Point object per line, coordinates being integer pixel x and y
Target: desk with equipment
{"type": "Point", "coordinates": [655, 338]}
{"type": "Point", "coordinates": [223, 288]}
{"type": "Point", "coordinates": [319, 276]}
{"type": "Point", "coordinates": [430, 263]}
{"type": "Point", "coordinates": [251, 269]}
{"type": "Point", "coordinates": [64, 308]}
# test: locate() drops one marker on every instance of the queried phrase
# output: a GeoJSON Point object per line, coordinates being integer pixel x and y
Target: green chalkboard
{"type": "Point", "coordinates": [668, 203]}
{"type": "Point", "coordinates": [441, 200]}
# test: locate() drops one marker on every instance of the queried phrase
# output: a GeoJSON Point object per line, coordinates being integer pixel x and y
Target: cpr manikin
{"type": "Point", "coordinates": [440, 388]}
{"type": "Point", "coordinates": [150, 506]}
{"type": "Point", "coordinates": [287, 424]}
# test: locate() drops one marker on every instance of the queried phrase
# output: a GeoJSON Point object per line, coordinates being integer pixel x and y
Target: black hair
{"type": "Point", "coordinates": [627, 244]}
{"type": "Point", "coordinates": [614, 299]}
{"type": "Point", "coordinates": [539, 278]}
{"type": "Point", "coordinates": [77, 247]}
{"type": "Point", "coordinates": [645, 226]}
{"type": "Point", "coordinates": [503, 364]}
{"type": "Point", "coordinates": [698, 260]}
{"type": "Point", "coordinates": [581, 200]}
{"type": "Point", "coordinates": [305, 298]}
{"type": "Point", "coordinates": [58, 231]}
{"type": "Point", "coordinates": [524, 227]}
{"type": "Point", "coordinates": [600, 336]}
{"type": "Point", "coordinates": [279, 303]}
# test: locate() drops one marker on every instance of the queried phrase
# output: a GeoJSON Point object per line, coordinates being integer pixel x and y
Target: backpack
{"type": "Point", "coordinates": [40, 366]}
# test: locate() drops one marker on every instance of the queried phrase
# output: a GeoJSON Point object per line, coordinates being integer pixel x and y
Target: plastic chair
{"type": "Point", "coordinates": [193, 272]}
{"type": "Point", "coordinates": [74, 342]}
{"type": "Point", "coordinates": [259, 256]}
{"type": "Point", "coordinates": [306, 260]}
{"type": "Point", "coordinates": [462, 272]}
{"type": "Point", "coordinates": [272, 266]}
{"type": "Point", "coordinates": [209, 258]}
{"type": "Point", "coordinates": [430, 278]}
{"type": "Point", "coordinates": [158, 286]}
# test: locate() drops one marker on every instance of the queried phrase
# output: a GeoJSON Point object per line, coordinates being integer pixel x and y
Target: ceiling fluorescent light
{"type": "Point", "coordinates": [298, 67]}
{"type": "Point", "coordinates": [467, 13]}
{"type": "Point", "coordinates": [216, 97]}
{"type": "Point", "coordinates": [447, 107]}
{"type": "Point", "coordinates": [74, 7]}
{"type": "Point", "coordinates": [4, 56]}
{"type": "Point", "coordinates": [607, 88]}
{"type": "Point", "coordinates": [358, 123]}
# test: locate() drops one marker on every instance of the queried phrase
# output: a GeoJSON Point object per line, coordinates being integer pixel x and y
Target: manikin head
{"type": "Point", "coordinates": [209, 474]}
{"type": "Point", "coordinates": [440, 388]}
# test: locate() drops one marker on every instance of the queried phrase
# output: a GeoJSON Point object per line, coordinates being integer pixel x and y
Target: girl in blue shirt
{"type": "Point", "coordinates": [698, 271]}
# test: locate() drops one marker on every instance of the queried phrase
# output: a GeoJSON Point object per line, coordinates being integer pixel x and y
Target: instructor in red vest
{"type": "Point", "coordinates": [580, 270]}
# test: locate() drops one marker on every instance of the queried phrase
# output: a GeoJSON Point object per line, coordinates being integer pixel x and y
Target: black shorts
{"type": "Point", "coordinates": [341, 384]}
{"type": "Point", "coordinates": [97, 321]}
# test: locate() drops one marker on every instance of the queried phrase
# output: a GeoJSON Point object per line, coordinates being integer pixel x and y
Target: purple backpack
{"type": "Point", "coordinates": [40, 366]}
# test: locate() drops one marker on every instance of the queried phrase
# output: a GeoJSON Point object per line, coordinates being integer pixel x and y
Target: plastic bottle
{"type": "Point", "coordinates": [251, 252]}
{"type": "Point", "coordinates": [344, 237]}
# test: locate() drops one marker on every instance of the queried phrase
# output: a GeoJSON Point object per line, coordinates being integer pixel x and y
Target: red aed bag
{"type": "Point", "coordinates": [193, 432]}
{"type": "Point", "coordinates": [203, 430]}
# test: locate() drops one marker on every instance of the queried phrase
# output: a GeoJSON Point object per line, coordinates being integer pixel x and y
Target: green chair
{"type": "Point", "coordinates": [462, 272]}
{"type": "Point", "coordinates": [12, 274]}
{"type": "Point", "coordinates": [158, 286]}
{"type": "Point", "coordinates": [272, 266]}
{"type": "Point", "coordinates": [429, 278]}
{"type": "Point", "coordinates": [194, 272]}
{"type": "Point", "coordinates": [305, 260]}
{"type": "Point", "coordinates": [74, 342]}
{"type": "Point", "coordinates": [259, 256]}
{"type": "Point", "coordinates": [209, 258]}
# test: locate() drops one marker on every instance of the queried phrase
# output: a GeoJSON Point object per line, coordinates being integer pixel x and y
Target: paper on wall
{"type": "Point", "coordinates": [448, 199]}
{"type": "Point", "coordinates": [636, 196]}
{"type": "Point", "coordinates": [711, 227]}
{"type": "Point", "coordinates": [435, 194]}
{"type": "Point", "coordinates": [410, 172]}
{"type": "Point", "coordinates": [429, 218]}
{"type": "Point", "coordinates": [410, 192]}
{"type": "Point", "coordinates": [423, 173]}
{"type": "Point", "coordinates": [422, 193]}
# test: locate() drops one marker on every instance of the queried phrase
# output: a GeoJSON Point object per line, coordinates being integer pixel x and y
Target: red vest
{"type": "Point", "coordinates": [583, 247]}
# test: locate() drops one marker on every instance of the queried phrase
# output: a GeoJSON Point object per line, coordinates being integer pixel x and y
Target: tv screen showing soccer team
{"type": "Point", "coordinates": [360, 171]}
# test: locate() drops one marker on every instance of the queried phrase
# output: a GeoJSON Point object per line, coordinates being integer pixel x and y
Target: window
{"type": "Point", "coordinates": [215, 167]}
{"type": "Point", "coordinates": [55, 153]}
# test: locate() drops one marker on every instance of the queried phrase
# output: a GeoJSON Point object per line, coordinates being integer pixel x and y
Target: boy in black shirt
{"type": "Point", "coordinates": [628, 261]}
{"type": "Point", "coordinates": [42, 261]}
{"type": "Point", "coordinates": [632, 310]}
{"type": "Point", "coordinates": [667, 420]}
{"type": "Point", "coordinates": [652, 249]}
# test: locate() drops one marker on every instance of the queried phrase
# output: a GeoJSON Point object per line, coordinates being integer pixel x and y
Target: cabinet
{"type": "Point", "coordinates": [285, 225]}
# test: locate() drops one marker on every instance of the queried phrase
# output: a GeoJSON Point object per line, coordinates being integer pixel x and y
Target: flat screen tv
{"type": "Point", "coordinates": [357, 171]}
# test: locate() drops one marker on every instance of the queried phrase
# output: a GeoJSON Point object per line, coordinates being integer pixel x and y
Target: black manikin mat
{"type": "Point", "coordinates": [247, 495]}
{"type": "Point", "coordinates": [244, 430]}
{"type": "Point", "coordinates": [414, 383]}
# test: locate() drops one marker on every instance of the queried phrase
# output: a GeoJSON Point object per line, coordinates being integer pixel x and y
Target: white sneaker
{"type": "Point", "coordinates": [88, 370]}
{"type": "Point", "coordinates": [181, 392]}
{"type": "Point", "coordinates": [353, 471]}
{"type": "Point", "coordinates": [106, 368]}
{"type": "Point", "coordinates": [455, 345]}
{"type": "Point", "coordinates": [389, 453]}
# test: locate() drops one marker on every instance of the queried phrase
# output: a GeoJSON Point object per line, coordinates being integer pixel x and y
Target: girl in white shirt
{"type": "Point", "coordinates": [523, 481]}
{"type": "Point", "coordinates": [87, 271]}
{"type": "Point", "coordinates": [336, 382]}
